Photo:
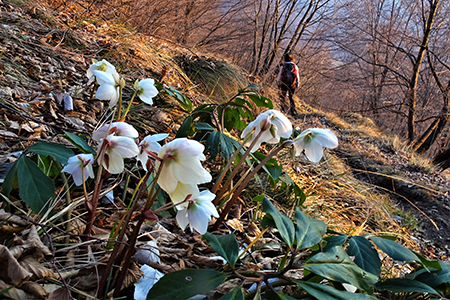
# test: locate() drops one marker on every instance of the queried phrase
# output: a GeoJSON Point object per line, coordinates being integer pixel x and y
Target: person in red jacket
{"type": "Point", "coordinates": [287, 82]}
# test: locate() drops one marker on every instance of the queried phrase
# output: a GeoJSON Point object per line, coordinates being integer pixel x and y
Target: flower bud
{"type": "Point", "coordinates": [273, 130]}
{"type": "Point", "coordinates": [265, 124]}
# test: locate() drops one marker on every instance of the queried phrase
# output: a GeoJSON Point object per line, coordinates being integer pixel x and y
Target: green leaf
{"type": "Point", "coordinates": [226, 146]}
{"type": "Point", "coordinates": [308, 231]}
{"type": "Point", "coordinates": [428, 263]}
{"type": "Point", "coordinates": [277, 296]}
{"type": "Point", "coordinates": [11, 182]}
{"type": "Point", "coordinates": [203, 126]}
{"type": "Point", "coordinates": [260, 101]}
{"type": "Point", "coordinates": [225, 245]}
{"type": "Point", "coordinates": [282, 222]}
{"type": "Point", "coordinates": [186, 128]}
{"type": "Point", "coordinates": [335, 240]}
{"type": "Point", "coordinates": [258, 198]}
{"type": "Point", "coordinates": [59, 152]}
{"type": "Point", "coordinates": [79, 142]}
{"type": "Point", "coordinates": [212, 144]}
{"type": "Point", "coordinates": [235, 294]}
{"type": "Point", "coordinates": [35, 188]}
{"type": "Point", "coordinates": [252, 86]}
{"type": "Point", "coordinates": [336, 265]}
{"type": "Point", "coordinates": [403, 285]}
{"type": "Point", "coordinates": [183, 284]}
{"type": "Point", "coordinates": [366, 257]}
{"type": "Point", "coordinates": [394, 250]}
{"type": "Point", "coordinates": [434, 278]}
{"type": "Point", "coordinates": [272, 167]}
{"type": "Point", "coordinates": [184, 101]}
{"type": "Point", "coordinates": [326, 292]}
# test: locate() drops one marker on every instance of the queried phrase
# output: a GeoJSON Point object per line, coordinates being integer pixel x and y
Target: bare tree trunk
{"type": "Point", "coordinates": [412, 90]}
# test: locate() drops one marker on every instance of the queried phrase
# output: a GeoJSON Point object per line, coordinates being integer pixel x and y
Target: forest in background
{"type": "Point", "coordinates": [385, 59]}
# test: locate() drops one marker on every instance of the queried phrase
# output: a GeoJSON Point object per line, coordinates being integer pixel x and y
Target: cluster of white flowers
{"type": "Point", "coordinates": [275, 126]}
{"type": "Point", "coordinates": [181, 159]}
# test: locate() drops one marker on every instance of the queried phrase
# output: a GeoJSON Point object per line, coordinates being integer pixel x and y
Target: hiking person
{"type": "Point", "coordinates": [287, 82]}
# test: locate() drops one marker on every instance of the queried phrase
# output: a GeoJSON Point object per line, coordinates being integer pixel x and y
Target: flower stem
{"type": "Point", "coordinates": [141, 189]}
{"type": "Point", "coordinates": [129, 251]}
{"type": "Point", "coordinates": [119, 104]}
{"type": "Point", "coordinates": [129, 105]}
{"type": "Point", "coordinates": [227, 183]}
{"type": "Point", "coordinates": [244, 184]}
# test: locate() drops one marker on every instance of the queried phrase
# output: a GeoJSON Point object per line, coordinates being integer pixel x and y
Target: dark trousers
{"type": "Point", "coordinates": [285, 89]}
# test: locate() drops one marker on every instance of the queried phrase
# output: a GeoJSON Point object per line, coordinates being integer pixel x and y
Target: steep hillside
{"type": "Point", "coordinates": [370, 183]}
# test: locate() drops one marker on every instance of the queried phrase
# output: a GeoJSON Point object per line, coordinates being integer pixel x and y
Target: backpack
{"type": "Point", "coordinates": [289, 74]}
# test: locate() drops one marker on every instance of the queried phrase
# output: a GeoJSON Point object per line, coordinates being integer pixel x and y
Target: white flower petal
{"type": "Point", "coordinates": [314, 152]}
{"type": "Point", "coordinates": [123, 146]}
{"type": "Point", "coordinates": [182, 218]}
{"type": "Point", "coordinates": [147, 90]}
{"type": "Point", "coordinates": [113, 163]}
{"type": "Point", "coordinates": [182, 191]}
{"type": "Point", "coordinates": [199, 219]}
{"type": "Point", "coordinates": [325, 137]}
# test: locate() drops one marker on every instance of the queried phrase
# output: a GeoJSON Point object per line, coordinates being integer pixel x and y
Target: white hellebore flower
{"type": "Point", "coordinates": [118, 148]}
{"type": "Point", "coordinates": [149, 144]}
{"type": "Point", "coordinates": [312, 140]}
{"type": "Point", "coordinates": [147, 90]}
{"type": "Point", "coordinates": [109, 86]}
{"type": "Point", "coordinates": [118, 128]}
{"type": "Point", "coordinates": [199, 212]}
{"type": "Point", "coordinates": [182, 164]}
{"type": "Point", "coordinates": [77, 165]}
{"type": "Point", "coordinates": [102, 65]}
{"type": "Point", "coordinates": [181, 192]}
{"type": "Point", "coordinates": [274, 124]}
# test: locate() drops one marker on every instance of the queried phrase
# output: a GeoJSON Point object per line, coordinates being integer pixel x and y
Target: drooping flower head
{"type": "Point", "coordinates": [116, 128]}
{"type": "Point", "coordinates": [149, 144]}
{"type": "Point", "coordinates": [109, 88]}
{"type": "Point", "coordinates": [116, 149]}
{"type": "Point", "coordinates": [313, 140]}
{"type": "Point", "coordinates": [183, 191]}
{"type": "Point", "coordinates": [102, 65]}
{"type": "Point", "coordinates": [78, 164]}
{"type": "Point", "coordinates": [146, 90]}
{"type": "Point", "coordinates": [198, 213]}
{"type": "Point", "coordinates": [274, 124]}
{"type": "Point", "coordinates": [182, 163]}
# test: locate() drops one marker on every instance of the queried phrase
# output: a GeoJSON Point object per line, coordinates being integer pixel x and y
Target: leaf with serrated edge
{"type": "Point", "coordinates": [80, 143]}
{"type": "Point", "coordinates": [225, 245]}
{"type": "Point", "coordinates": [394, 250]}
{"type": "Point", "coordinates": [308, 231]}
{"type": "Point", "coordinates": [283, 223]}
{"type": "Point", "coordinates": [35, 188]}
{"type": "Point", "coordinates": [59, 152]}
{"type": "Point", "coordinates": [336, 265]}
{"type": "Point", "coordinates": [366, 257]}
{"type": "Point", "coordinates": [183, 284]}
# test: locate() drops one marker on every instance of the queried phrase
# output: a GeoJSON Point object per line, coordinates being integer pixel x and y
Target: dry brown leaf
{"type": "Point", "coordinates": [236, 225]}
{"type": "Point", "coordinates": [12, 272]}
{"type": "Point", "coordinates": [34, 242]}
{"type": "Point", "coordinates": [252, 229]}
{"type": "Point", "coordinates": [12, 218]}
{"type": "Point", "coordinates": [60, 294]}
{"type": "Point", "coordinates": [34, 289]}
{"type": "Point", "coordinates": [32, 265]}
{"type": "Point", "coordinates": [206, 261]}
{"type": "Point", "coordinates": [13, 293]}
{"type": "Point", "coordinates": [133, 275]}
